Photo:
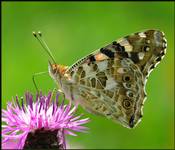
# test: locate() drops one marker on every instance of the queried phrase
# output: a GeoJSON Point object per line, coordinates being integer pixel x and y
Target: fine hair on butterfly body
{"type": "Point", "coordinates": [111, 80]}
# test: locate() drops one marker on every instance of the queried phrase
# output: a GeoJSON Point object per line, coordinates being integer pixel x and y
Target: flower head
{"type": "Point", "coordinates": [42, 123]}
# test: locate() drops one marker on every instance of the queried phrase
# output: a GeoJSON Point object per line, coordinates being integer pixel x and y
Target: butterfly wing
{"type": "Point", "coordinates": [113, 88]}
{"type": "Point", "coordinates": [146, 49]}
{"type": "Point", "coordinates": [111, 80]}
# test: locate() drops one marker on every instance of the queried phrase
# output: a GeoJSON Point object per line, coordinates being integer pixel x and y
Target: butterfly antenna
{"type": "Point", "coordinates": [39, 37]}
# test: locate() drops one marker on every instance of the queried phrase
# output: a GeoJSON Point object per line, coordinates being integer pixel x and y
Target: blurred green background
{"type": "Point", "coordinates": [74, 29]}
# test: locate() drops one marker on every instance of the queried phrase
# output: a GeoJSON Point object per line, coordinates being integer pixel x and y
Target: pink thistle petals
{"type": "Point", "coordinates": [35, 118]}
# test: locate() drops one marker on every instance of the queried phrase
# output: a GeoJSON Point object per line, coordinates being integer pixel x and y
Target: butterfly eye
{"type": "Point", "coordinates": [127, 104]}
{"type": "Point", "coordinates": [126, 78]}
{"type": "Point", "coordinates": [54, 69]}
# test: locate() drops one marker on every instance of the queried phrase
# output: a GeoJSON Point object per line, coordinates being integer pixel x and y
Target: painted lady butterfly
{"type": "Point", "coordinates": [111, 81]}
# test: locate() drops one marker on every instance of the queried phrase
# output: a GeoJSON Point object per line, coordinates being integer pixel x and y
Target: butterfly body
{"type": "Point", "coordinates": [111, 81]}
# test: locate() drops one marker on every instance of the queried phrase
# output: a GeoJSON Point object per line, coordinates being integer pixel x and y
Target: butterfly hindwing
{"type": "Point", "coordinates": [111, 87]}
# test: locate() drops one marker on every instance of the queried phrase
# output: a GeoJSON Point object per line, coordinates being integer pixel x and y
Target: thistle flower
{"type": "Point", "coordinates": [42, 123]}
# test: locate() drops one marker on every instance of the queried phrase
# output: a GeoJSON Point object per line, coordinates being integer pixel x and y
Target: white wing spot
{"type": "Point", "coordinates": [148, 41]}
{"type": "Point", "coordinates": [102, 65]}
{"type": "Point", "coordinates": [124, 42]}
{"type": "Point", "coordinates": [147, 49]}
{"type": "Point", "coordinates": [121, 70]}
{"type": "Point", "coordinates": [142, 34]}
{"type": "Point", "coordinates": [141, 55]}
{"type": "Point", "coordinates": [110, 84]}
{"type": "Point", "coordinates": [158, 38]}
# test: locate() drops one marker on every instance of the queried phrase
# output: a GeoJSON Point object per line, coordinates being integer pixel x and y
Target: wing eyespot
{"type": "Point", "coordinates": [128, 85]}
{"type": "Point", "coordinates": [127, 104]}
{"type": "Point", "coordinates": [126, 78]}
{"type": "Point", "coordinates": [130, 94]}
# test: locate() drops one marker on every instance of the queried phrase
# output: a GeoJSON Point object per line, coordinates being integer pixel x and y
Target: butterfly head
{"type": "Point", "coordinates": [57, 71]}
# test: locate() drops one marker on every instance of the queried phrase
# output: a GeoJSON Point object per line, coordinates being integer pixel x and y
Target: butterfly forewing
{"type": "Point", "coordinates": [145, 49]}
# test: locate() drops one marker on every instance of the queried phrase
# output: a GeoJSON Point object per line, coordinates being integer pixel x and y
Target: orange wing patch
{"type": "Point", "coordinates": [100, 57]}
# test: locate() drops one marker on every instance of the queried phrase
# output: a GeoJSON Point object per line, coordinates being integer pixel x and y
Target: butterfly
{"type": "Point", "coordinates": [111, 80]}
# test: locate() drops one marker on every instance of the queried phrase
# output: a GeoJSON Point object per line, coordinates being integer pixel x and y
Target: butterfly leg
{"type": "Point", "coordinates": [61, 92]}
{"type": "Point", "coordinates": [53, 93]}
{"type": "Point", "coordinates": [33, 79]}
